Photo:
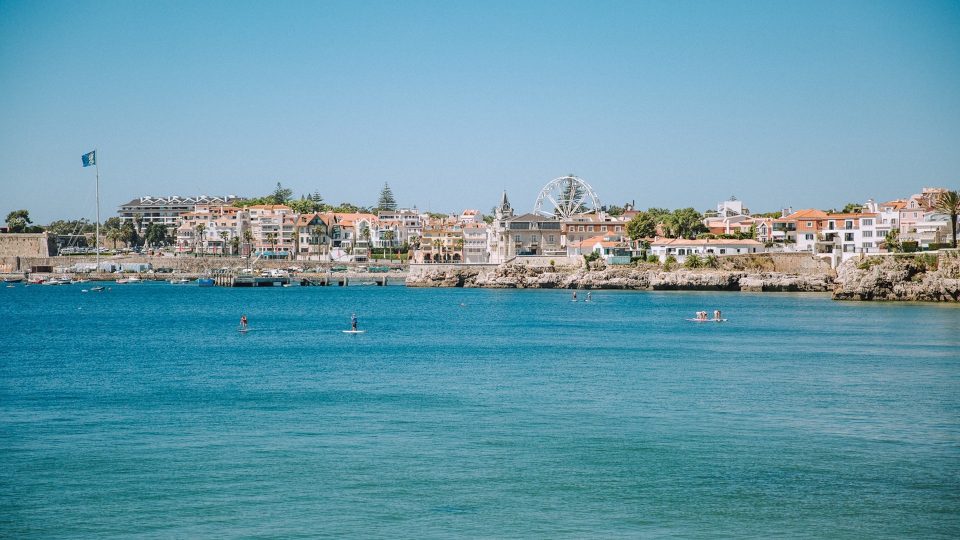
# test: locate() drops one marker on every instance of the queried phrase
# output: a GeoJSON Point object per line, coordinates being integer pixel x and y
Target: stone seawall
{"type": "Point", "coordinates": [185, 264]}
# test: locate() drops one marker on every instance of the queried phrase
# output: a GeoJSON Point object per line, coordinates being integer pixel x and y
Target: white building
{"type": "Point", "coordinates": [166, 210]}
{"type": "Point", "coordinates": [681, 247]}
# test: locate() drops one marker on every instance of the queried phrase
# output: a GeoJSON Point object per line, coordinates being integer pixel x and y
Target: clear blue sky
{"type": "Point", "coordinates": [667, 103]}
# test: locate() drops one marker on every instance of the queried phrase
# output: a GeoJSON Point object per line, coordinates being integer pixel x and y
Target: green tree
{"type": "Point", "coordinates": [223, 236]}
{"type": "Point", "coordinates": [281, 194]}
{"type": "Point", "coordinates": [948, 202]}
{"type": "Point", "coordinates": [669, 262]}
{"type": "Point", "coordinates": [615, 210]}
{"type": "Point", "coordinates": [643, 225]}
{"type": "Point", "coordinates": [571, 196]}
{"type": "Point", "coordinates": [200, 229]}
{"type": "Point", "coordinates": [129, 233]}
{"type": "Point", "coordinates": [235, 245]}
{"type": "Point", "coordinates": [156, 235]}
{"type": "Point", "coordinates": [892, 241]}
{"type": "Point", "coordinates": [346, 208]}
{"type": "Point", "coordinates": [114, 234]}
{"type": "Point", "coordinates": [685, 223]}
{"type": "Point", "coordinates": [18, 220]}
{"type": "Point", "coordinates": [852, 208]}
{"type": "Point", "coordinates": [712, 261]}
{"type": "Point", "coordinates": [693, 261]}
{"type": "Point", "coordinates": [71, 226]}
{"type": "Point", "coordinates": [305, 206]}
{"type": "Point", "coordinates": [271, 238]}
{"type": "Point", "coordinates": [386, 201]}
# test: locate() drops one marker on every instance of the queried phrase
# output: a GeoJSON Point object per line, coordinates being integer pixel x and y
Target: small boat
{"type": "Point", "coordinates": [181, 281]}
{"type": "Point", "coordinates": [12, 279]}
{"type": "Point", "coordinates": [98, 288]}
{"type": "Point", "coordinates": [205, 282]}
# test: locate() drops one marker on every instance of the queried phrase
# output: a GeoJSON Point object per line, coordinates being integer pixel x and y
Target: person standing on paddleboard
{"type": "Point", "coordinates": [353, 322]}
{"type": "Point", "coordinates": [243, 322]}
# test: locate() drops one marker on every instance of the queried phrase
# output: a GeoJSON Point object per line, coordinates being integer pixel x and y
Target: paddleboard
{"type": "Point", "coordinates": [353, 331]}
{"type": "Point", "coordinates": [244, 330]}
{"type": "Point", "coordinates": [707, 320]}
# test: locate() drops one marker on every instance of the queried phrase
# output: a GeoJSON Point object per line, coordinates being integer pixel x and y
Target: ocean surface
{"type": "Point", "coordinates": [142, 411]}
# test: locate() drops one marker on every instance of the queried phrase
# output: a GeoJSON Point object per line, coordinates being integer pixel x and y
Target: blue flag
{"type": "Point", "coordinates": [90, 159]}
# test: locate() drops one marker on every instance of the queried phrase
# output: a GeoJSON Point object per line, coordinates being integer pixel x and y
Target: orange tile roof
{"type": "Point", "coordinates": [705, 242]}
{"type": "Point", "coordinates": [806, 214]}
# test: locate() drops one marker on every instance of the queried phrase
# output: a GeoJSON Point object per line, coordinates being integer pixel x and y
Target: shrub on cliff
{"type": "Point", "coordinates": [693, 261]}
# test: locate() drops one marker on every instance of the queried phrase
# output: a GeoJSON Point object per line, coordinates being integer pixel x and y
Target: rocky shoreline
{"type": "Point", "coordinates": [916, 278]}
{"type": "Point", "coordinates": [517, 276]}
{"type": "Point", "coordinates": [900, 277]}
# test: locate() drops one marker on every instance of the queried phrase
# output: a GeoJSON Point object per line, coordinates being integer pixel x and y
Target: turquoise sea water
{"type": "Point", "coordinates": [491, 413]}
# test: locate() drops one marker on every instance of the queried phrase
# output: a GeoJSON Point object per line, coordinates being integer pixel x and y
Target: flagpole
{"type": "Point", "coordinates": [96, 163]}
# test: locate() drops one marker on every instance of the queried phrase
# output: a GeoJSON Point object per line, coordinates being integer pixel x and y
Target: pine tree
{"type": "Point", "coordinates": [386, 202]}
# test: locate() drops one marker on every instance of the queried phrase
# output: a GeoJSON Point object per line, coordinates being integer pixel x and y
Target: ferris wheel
{"type": "Point", "coordinates": [565, 197]}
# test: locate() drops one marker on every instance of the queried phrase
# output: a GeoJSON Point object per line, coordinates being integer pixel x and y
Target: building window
{"type": "Point", "coordinates": [552, 239]}
{"type": "Point", "coordinates": [809, 224]}
{"type": "Point", "coordinates": [866, 222]}
{"type": "Point", "coordinates": [723, 251]}
{"type": "Point", "coordinates": [808, 237]}
{"type": "Point", "coordinates": [867, 234]}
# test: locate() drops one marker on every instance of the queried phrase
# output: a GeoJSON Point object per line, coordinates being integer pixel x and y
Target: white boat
{"type": "Point", "coordinates": [180, 281]}
{"type": "Point", "coordinates": [131, 279]}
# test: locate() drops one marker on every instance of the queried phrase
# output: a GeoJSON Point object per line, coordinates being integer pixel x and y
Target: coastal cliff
{"type": "Point", "coordinates": [923, 277]}
{"type": "Point", "coordinates": [646, 277]}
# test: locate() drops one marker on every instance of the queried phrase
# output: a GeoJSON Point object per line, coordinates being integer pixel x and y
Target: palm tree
{"type": "Point", "coordinates": [223, 236]}
{"type": "Point", "coordinates": [248, 239]}
{"type": "Point", "coordinates": [200, 228]}
{"type": "Point", "coordinates": [272, 240]}
{"type": "Point", "coordinates": [948, 202]}
{"type": "Point", "coordinates": [438, 249]}
{"type": "Point", "coordinates": [459, 245]}
{"type": "Point", "coordinates": [114, 234]}
{"type": "Point", "coordinates": [388, 239]}
{"type": "Point", "coordinates": [235, 245]}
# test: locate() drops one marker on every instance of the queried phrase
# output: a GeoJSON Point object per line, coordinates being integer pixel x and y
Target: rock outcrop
{"type": "Point", "coordinates": [518, 276]}
{"type": "Point", "coordinates": [924, 277]}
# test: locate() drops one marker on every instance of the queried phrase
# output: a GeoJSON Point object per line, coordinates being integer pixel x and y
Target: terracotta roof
{"type": "Point", "coordinates": [805, 214]}
{"type": "Point", "coordinates": [845, 216]}
{"type": "Point", "coordinates": [705, 242]}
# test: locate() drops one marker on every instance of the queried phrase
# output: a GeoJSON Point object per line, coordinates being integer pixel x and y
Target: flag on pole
{"type": "Point", "coordinates": [90, 159]}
